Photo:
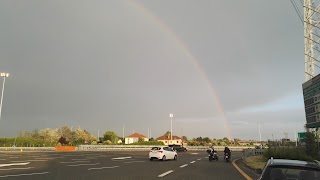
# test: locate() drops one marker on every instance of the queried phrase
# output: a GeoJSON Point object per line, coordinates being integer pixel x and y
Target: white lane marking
{"type": "Point", "coordinates": [15, 175]}
{"type": "Point", "coordinates": [120, 158]}
{"type": "Point", "coordinates": [35, 160]}
{"type": "Point", "coordinates": [84, 164]}
{"type": "Point", "coordinates": [134, 161]}
{"type": "Point", "coordinates": [103, 168]}
{"type": "Point", "coordinates": [14, 164]}
{"type": "Point", "coordinates": [184, 165]}
{"type": "Point", "coordinates": [13, 157]}
{"type": "Point", "coordinates": [166, 173]}
{"type": "Point", "coordinates": [3, 159]}
{"type": "Point", "coordinates": [194, 153]}
{"type": "Point", "coordinates": [15, 168]}
{"type": "Point", "coordinates": [199, 159]}
{"type": "Point", "coordinates": [44, 158]}
{"type": "Point", "coordinates": [192, 162]}
{"type": "Point", "coordinates": [73, 162]}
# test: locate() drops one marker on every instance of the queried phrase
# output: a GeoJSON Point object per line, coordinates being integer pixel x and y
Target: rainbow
{"type": "Point", "coordinates": [179, 44]}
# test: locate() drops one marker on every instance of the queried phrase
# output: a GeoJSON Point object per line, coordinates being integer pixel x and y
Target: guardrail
{"type": "Point", "coordinates": [148, 147]}
{"type": "Point", "coordinates": [247, 152]}
{"type": "Point", "coordinates": [252, 152]}
{"type": "Point", "coordinates": [27, 148]}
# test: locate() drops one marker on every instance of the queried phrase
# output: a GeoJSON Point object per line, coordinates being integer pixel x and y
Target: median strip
{"type": "Point", "coordinates": [166, 173]}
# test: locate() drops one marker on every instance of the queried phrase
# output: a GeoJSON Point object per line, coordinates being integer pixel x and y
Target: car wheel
{"type": "Point", "coordinates": [151, 159]}
{"type": "Point", "coordinates": [164, 158]}
{"type": "Point", "coordinates": [175, 157]}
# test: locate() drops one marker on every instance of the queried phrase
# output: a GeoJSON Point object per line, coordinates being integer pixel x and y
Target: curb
{"type": "Point", "coordinates": [253, 169]}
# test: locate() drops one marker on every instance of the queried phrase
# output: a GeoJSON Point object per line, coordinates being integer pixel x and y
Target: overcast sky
{"type": "Point", "coordinates": [221, 67]}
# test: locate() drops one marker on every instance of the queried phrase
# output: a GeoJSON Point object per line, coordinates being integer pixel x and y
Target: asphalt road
{"type": "Point", "coordinates": [121, 165]}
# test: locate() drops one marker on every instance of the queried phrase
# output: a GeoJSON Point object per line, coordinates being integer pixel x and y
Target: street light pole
{"type": "Point", "coordinates": [171, 115]}
{"type": "Point", "coordinates": [4, 75]}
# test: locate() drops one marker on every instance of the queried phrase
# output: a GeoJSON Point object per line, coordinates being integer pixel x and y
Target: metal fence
{"type": "Point", "coordinates": [252, 152]}
{"type": "Point", "coordinates": [247, 151]}
{"type": "Point", "coordinates": [148, 147]}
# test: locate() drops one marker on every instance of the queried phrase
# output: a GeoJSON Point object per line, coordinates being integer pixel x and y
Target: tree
{"type": "Point", "coordinates": [66, 132]}
{"type": "Point", "coordinates": [168, 133]}
{"type": "Point", "coordinates": [111, 136]}
{"type": "Point", "coordinates": [184, 138]}
{"type": "Point", "coordinates": [140, 140]}
{"type": "Point", "coordinates": [311, 145]}
{"type": "Point", "coordinates": [206, 139]}
{"type": "Point", "coordinates": [63, 141]}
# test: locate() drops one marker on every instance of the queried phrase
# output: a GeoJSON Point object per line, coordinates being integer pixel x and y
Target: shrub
{"type": "Point", "coordinates": [148, 143]}
{"type": "Point", "coordinates": [295, 153]}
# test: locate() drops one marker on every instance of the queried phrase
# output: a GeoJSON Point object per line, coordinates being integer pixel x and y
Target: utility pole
{"type": "Point", "coordinates": [260, 133]}
{"type": "Point", "coordinates": [4, 75]}
{"type": "Point", "coordinates": [171, 116]}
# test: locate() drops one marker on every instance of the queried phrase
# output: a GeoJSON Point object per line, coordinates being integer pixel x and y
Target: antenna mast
{"type": "Point", "coordinates": [311, 20]}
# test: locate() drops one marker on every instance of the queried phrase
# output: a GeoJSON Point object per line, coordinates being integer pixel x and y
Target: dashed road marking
{"type": "Point", "coordinates": [166, 173]}
{"type": "Point", "coordinates": [103, 168]}
{"type": "Point", "coordinates": [26, 160]}
{"type": "Point", "coordinates": [84, 164]}
{"type": "Point", "coordinates": [184, 165]}
{"type": "Point", "coordinates": [44, 158]}
{"type": "Point", "coordinates": [14, 164]}
{"type": "Point", "coordinates": [73, 162]}
{"type": "Point", "coordinates": [199, 159]}
{"type": "Point", "coordinates": [120, 158]}
{"type": "Point", "coordinates": [16, 169]}
{"type": "Point", "coordinates": [16, 175]}
{"type": "Point", "coordinates": [194, 153]}
{"type": "Point", "coordinates": [192, 162]}
{"type": "Point", "coordinates": [134, 162]}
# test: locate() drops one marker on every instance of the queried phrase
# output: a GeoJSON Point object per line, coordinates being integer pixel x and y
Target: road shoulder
{"type": "Point", "coordinates": [245, 169]}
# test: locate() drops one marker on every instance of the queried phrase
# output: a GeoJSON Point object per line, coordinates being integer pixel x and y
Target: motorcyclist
{"type": "Point", "coordinates": [227, 151]}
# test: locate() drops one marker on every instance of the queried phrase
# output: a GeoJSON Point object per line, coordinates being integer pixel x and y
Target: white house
{"type": "Point", "coordinates": [135, 138]}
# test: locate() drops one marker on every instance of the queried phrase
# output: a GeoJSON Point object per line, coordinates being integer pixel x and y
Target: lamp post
{"type": "Point", "coordinates": [4, 75]}
{"type": "Point", "coordinates": [171, 116]}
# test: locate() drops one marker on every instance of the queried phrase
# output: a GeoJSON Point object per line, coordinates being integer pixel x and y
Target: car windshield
{"type": "Point", "coordinates": [291, 173]}
{"type": "Point", "coordinates": [155, 148]}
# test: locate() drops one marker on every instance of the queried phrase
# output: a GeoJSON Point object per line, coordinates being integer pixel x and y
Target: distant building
{"type": "Point", "coordinates": [167, 140]}
{"type": "Point", "coordinates": [133, 138]}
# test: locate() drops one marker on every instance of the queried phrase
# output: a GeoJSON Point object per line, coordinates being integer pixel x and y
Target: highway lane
{"type": "Point", "coordinates": [113, 165]}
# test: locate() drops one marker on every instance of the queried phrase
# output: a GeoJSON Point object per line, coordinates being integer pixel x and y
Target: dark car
{"type": "Point", "coordinates": [290, 169]}
{"type": "Point", "coordinates": [178, 148]}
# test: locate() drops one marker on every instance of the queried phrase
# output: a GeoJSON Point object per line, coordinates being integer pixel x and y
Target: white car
{"type": "Point", "coordinates": [162, 153]}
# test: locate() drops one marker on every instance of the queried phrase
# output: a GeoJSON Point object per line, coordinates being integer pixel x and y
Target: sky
{"type": "Point", "coordinates": [221, 67]}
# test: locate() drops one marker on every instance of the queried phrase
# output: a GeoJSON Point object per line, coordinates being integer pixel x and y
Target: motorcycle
{"type": "Point", "coordinates": [227, 157]}
{"type": "Point", "coordinates": [213, 155]}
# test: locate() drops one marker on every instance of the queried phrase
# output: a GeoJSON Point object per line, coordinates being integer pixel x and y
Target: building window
{"type": "Point", "coordinates": [177, 142]}
{"type": "Point", "coordinates": [165, 141]}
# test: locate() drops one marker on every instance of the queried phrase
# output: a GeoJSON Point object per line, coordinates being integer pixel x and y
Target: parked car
{"type": "Point", "coordinates": [290, 169]}
{"type": "Point", "coordinates": [178, 148]}
{"type": "Point", "coordinates": [162, 153]}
